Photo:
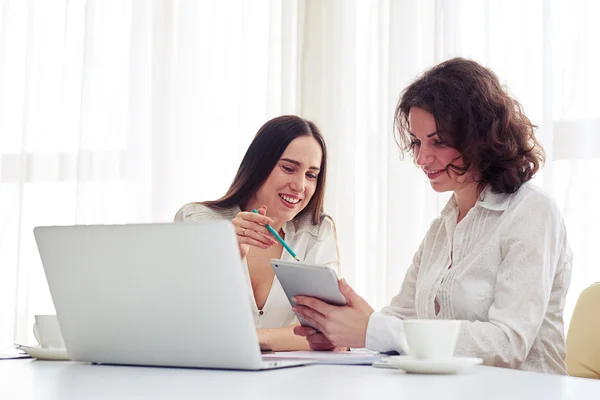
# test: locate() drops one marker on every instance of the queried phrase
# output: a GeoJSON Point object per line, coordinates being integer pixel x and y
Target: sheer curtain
{"type": "Point", "coordinates": [359, 55]}
{"type": "Point", "coordinates": [121, 111]}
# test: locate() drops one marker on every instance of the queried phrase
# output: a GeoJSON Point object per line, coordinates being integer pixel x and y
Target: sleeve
{"type": "Point", "coordinates": [532, 245]}
{"type": "Point", "coordinates": [196, 212]}
{"type": "Point", "coordinates": [385, 331]}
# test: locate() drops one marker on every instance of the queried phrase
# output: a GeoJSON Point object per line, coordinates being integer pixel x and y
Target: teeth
{"type": "Point", "coordinates": [432, 172]}
{"type": "Point", "coordinates": [289, 199]}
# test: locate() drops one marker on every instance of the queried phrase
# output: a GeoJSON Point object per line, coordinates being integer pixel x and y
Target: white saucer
{"type": "Point", "coordinates": [451, 366]}
{"type": "Point", "coordinates": [43, 353]}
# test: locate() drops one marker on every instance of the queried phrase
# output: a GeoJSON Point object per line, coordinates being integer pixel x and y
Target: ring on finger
{"type": "Point", "coordinates": [243, 231]}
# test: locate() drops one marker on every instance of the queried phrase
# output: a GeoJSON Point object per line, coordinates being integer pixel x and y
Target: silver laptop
{"type": "Point", "coordinates": [171, 294]}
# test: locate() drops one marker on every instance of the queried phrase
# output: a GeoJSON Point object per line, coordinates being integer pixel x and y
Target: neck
{"type": "Point", "coordinates": [253, 205]}
{"type": "Point", "coordinates": [465, 199]}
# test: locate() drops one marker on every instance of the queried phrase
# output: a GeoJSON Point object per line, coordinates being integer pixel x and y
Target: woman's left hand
{"type": "Point", "coordinates": [343, 326]}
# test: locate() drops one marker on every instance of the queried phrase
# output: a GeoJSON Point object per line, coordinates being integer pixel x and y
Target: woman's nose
{"type": "Point", "coordinates": [298, 184]}
{"type": "Point", "coordinates": [423, 156]}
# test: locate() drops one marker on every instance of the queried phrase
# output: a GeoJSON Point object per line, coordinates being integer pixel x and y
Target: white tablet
{"type": "Point", "coordinates": [308, 280]}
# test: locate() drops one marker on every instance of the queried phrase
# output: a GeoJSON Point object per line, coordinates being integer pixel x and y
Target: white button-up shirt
{"type": "Point", "coordinates": [504, 270]}
{"type": "Point", "coordinates": [313, 244]}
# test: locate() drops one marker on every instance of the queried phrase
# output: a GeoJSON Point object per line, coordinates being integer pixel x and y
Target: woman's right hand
{"type": "Point", "coordinates": [251, 231]}
{"type": "Point", "coordinates": [317, 341]}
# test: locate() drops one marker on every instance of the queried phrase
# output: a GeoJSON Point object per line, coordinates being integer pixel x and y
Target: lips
{"type": "Point", "coordinates": [434, 173]}
{"type": "Point", "coordinates": [289, 201]}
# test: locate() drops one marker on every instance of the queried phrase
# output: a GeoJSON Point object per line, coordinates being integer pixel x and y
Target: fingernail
{"type": "Point", "coordinates": [344, 283]}
{"type": "Point", "coordinates": [294, 299]}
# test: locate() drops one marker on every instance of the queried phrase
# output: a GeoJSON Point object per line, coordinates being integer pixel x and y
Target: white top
{"type": "Point", "coordinates": [504, 270]}
{"type": "Point", "coordinates": [313, 244]}
{"type": "Point", "coordinates": [51, 380]}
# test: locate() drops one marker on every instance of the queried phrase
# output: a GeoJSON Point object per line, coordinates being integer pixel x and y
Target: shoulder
{"type": "Point", "coordinates": [326, 228]}
{"type": "Point", "coordinates": [200, 212]}
{"type": "Point", "coordinates": [531, 201]}
{"type": "Point", "coordinates": [320, 232]}
{"type": "Point", "coordinates": [533, 217]}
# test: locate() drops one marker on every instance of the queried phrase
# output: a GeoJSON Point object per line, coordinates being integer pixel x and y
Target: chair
{"type": "Point", "coordinates": [583, 338]}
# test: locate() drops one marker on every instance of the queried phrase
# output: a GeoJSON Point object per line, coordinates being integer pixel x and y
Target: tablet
{"type": "Point", "coordinates": [308, 280]}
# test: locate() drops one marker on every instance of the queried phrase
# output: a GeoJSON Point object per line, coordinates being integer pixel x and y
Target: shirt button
{"type": "Point", "coordinates": [261, 312]}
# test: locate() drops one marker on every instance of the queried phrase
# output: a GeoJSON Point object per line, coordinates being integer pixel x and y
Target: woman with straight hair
{"type": "Point", "coordinates": [282, 175]}
{"type": "Point", "coordinates": [496, 259]}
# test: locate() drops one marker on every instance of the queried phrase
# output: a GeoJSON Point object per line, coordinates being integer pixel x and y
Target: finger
{"type": "Point", "coordinates": [261, 229]}
{"type": "Point", "coordinates": [254, 227]}
{"type": "Point", "coordinates": [316, 304]}
{"type": "Point", "coordinates": [254, 217]}
{"type": "Point", "coordinates": [251, 234]}
{"type": "Point", "coordinates": [252, 242]}
{"type": "Point", "coordinates": [339, 349]}
{"type": "Point", "coordinates": [311, 316]}
{"type": "Point", "coordinates": [319, 342]}
{"type": "Point", "coordinates": [319, 339]}
{"type": "Point", "coordinates": [353, 298]}
{"type": "Point", "coordinates": [321, 347]}
{"type": "Point", "coordinates": [269, 241]}
{"type": "Point", "coordinates": [242, 224]}
{"type": "Point", "coordinates": [262, 210]}
{"type": "Point", "coordinates": [347, 291]}
{"type": "Point", "coordinates": [304, 331]}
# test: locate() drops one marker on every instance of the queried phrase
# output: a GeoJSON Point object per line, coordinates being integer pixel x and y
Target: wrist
{"type": "Point", "coordinates": [366, 328]}
{"type": "Point", "coordinates": [263, 340]}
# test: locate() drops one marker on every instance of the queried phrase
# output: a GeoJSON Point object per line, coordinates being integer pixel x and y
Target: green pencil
{"type": "Point", "coordinates": [280, 240]}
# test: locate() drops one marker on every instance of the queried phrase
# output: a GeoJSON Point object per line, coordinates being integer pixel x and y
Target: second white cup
{"type": "Point", "coordinates": [47, 332]}
{"type": "Point", "coordinates": [431, 339]}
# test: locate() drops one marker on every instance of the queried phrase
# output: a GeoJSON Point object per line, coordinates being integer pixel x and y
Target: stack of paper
{"type": "Point", "coordinates": [11, 354]}
{"type": "Point", "coordinates": [327, 357]}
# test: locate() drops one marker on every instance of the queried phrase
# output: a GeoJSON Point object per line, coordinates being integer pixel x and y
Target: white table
{"type": "Point", "coordinates": [43, 380]}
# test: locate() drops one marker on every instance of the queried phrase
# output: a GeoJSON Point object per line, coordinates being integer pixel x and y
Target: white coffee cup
{"type": "Point", "coordinates": [431, 339]}
{"type": "Point", "coordinates": [47, 332]}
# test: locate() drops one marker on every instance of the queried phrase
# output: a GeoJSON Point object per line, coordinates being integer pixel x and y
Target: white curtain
{"type": "Point", "coordinates": [359, 55]}
{"type": "Point", "coordinates": [120, 111]}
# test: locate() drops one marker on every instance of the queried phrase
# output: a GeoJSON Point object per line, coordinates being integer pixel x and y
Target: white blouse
{"type": "Point", "coordinates": [313, 244]}
{"type": "Point", "coordinates": [504, 270]}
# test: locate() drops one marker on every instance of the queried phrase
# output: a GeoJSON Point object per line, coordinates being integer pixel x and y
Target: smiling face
{"type": "Point", "coordinates": [433, 155]}
{"type": "Point", "coordinates": [293, 182]}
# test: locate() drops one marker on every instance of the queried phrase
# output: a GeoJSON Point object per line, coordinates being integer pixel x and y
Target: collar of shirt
{"type": "Point", "coordinates": [488, 199]}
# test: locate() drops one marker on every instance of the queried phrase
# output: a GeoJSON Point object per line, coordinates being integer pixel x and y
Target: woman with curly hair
{"type": "Point", "coordinates": [497, 257]}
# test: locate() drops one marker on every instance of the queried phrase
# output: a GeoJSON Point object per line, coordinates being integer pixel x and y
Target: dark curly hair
{"type": "Point", "coordinates": [475, 115]}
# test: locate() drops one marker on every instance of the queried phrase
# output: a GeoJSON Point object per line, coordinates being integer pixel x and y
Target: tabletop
{"type": "Point", "coordinates": [45, 380]}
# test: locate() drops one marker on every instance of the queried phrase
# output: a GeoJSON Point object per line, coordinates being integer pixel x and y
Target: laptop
{"type": "Point", "coordinates": [171, 294]}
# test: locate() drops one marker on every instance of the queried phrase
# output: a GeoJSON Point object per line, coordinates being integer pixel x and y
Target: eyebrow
{"type": "Point", "coordinates": [298, 163]}
{"type": "Point", "coordinates": [430, 135]}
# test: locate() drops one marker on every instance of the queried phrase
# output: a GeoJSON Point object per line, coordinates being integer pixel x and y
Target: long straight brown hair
{"type": "Point", "coordinates": [262, 156]}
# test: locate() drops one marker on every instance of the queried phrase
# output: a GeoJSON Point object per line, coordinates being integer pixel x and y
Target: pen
{"type": "Point", "coordinates": [280, 240]}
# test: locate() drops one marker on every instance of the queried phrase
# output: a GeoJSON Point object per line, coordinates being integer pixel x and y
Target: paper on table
{"type": "Point", "coordinates": [327, 357]}
{"type": "Point", "coordinates": [11, 354]}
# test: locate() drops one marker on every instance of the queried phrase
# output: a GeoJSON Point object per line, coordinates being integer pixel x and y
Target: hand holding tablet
{"type": "Point", "coordinates": [320, 282]}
